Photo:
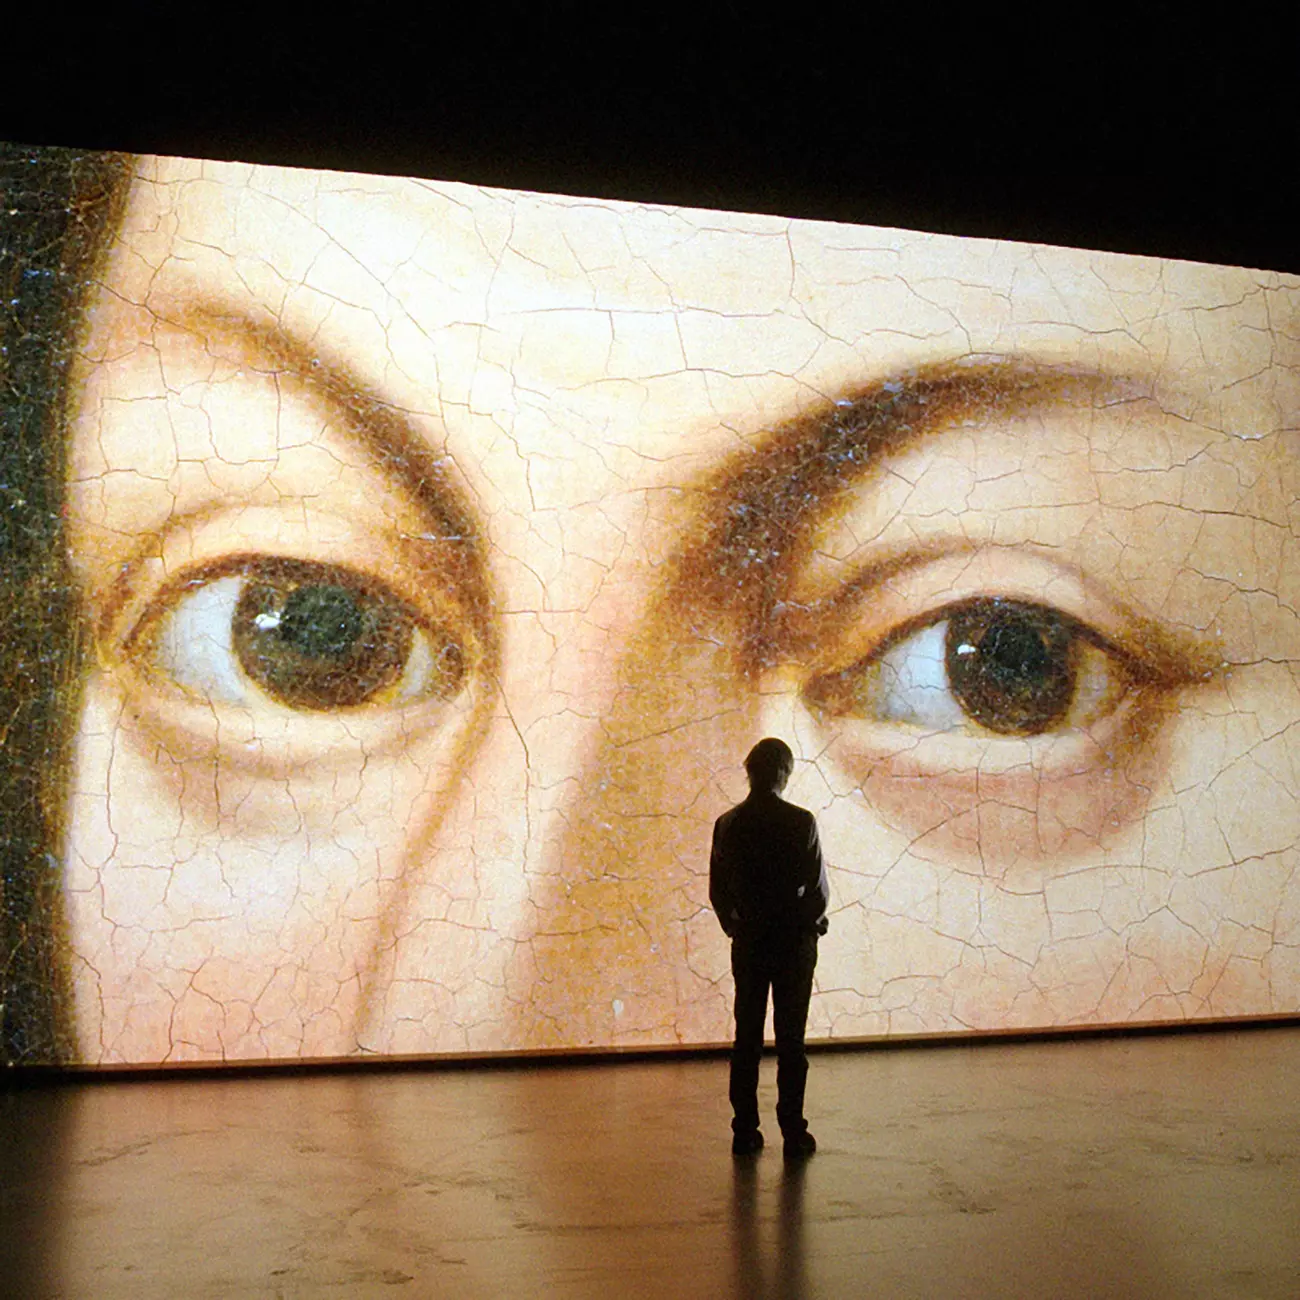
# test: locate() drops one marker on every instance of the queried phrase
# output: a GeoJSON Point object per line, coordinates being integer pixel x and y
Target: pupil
{"type": "Point", "coordinates": [1011, 666]}
{"type": "Point", "coordinates": [321, 622]}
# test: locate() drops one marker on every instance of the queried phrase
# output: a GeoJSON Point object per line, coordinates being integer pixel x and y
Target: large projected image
{"type": "Point", "coordinates": [414, 564]}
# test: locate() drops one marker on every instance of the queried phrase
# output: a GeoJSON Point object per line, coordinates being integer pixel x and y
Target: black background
{"type": "Point", "coordinates": [1157, 136]}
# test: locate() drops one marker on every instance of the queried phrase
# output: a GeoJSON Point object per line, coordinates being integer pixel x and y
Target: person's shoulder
{"type": "Point", "coordinates": [799, 821]}
{"type": "Point", "coordinates": [795, 813]}
{"type": "Point", "coordinates": [727, 817]}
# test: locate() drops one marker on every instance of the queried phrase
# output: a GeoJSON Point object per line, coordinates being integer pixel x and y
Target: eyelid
{"type": "Point", "coordinates": [901, 592]}
{"type": "Point", "coordinates": [417, 569]}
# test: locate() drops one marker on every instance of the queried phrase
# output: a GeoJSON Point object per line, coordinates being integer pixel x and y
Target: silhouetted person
{"type": "Point", "coordinates": [767, 883]}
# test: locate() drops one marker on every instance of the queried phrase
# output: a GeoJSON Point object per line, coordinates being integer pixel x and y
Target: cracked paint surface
{"type": "Point", "coordinates": [636, 487]}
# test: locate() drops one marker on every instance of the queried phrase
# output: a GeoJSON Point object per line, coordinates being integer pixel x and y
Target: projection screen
{"type": "Point", "coordinates": [397, 573]}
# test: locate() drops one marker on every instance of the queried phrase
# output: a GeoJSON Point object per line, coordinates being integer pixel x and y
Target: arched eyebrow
{"type": "Point", "coordinates": [399, 450]}
{"type": "Point", "coordinates": [375, 426]}
{"type": "Point", "coordinates": [761, 504]}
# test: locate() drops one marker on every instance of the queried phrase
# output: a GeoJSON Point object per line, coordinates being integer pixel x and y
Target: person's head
{"type": "Point", "coordinates": [437, 546]}
{"type": "Point", "coordinates": [769, 766]}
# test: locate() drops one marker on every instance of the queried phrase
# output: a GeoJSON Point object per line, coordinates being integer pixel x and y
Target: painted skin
{"type": "Point", "coordinates": [643, 486]}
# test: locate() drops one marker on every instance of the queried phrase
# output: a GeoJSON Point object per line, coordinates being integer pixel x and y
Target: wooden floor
{"type": "Point", "coordinates": [1133, 1167]}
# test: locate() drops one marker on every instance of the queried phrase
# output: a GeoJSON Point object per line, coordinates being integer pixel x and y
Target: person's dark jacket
{"type": "Point", "coordinates": [766, 874]}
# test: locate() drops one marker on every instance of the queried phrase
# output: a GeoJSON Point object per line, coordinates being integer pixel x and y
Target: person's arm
{"type": "Point", "coordinates": [816, 887]}
{"type": "Point", "coordinates": [722, 878]}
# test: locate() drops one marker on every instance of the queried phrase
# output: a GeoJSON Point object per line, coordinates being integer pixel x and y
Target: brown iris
{"type": "Point", "coordinates": [316, 636]}
{"type": "Point", "coordinates": [1012, 666]}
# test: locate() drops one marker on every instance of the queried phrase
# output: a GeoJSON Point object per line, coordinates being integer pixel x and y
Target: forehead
{"type": "Point", "coordinates": [578, 291]}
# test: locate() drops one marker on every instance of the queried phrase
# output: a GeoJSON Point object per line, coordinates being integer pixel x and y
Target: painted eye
{"type": "Point", "coordinates": [991, 665]}
{"type": "Point", "coordinates": [309, 636]}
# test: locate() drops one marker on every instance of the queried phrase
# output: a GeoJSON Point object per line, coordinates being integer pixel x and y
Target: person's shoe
{"type": "Point", "coordinates": [747, 1144]}
{"type": "Point", "coordinates": [799, 1146]}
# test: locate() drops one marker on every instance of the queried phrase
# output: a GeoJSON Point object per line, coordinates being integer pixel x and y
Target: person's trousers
{"type": "Point", "coordinates": [784, 964]}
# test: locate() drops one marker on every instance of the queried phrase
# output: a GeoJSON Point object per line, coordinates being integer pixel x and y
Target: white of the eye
{"type": "Point", "coordinates": [911, 681]}
{"type": "Point", "coordinates": [417, 674]}
{"type": "Point", "coordinates": [195, 645]}
{"type": "Point", "coordinates": [1096, 689]}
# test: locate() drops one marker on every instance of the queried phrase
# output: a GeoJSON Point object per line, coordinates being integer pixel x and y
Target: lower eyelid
{"type": "Point", "coordinates": [1007, 808]}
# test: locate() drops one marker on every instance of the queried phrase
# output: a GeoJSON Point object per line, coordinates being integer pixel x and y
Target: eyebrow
{"type": "Point", "coordinates": [766, 498]}
{"type": "Point", "coordinates": [400, 451]}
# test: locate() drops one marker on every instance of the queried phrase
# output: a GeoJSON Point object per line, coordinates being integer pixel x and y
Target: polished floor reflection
{"type": "Point", "coordinates": [1132, 1167]}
